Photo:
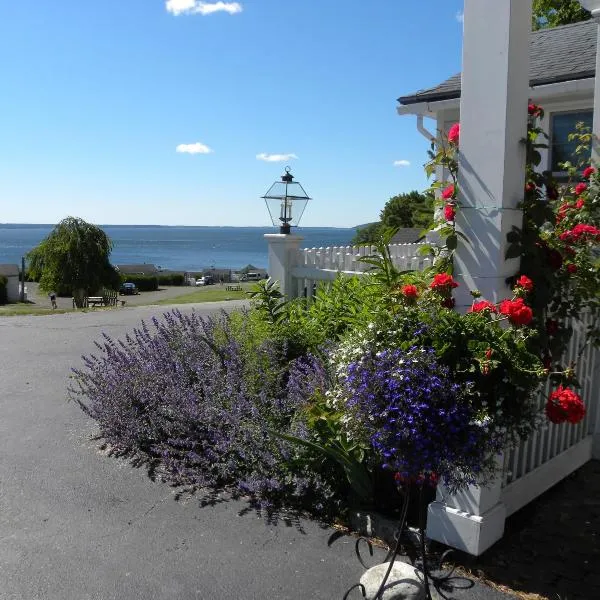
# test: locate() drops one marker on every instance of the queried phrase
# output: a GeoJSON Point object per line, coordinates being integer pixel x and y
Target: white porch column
{"type": "Point", "coordinates": [594, 7]}
{"type": "Point", "coordinates": [493, 116]}
{"type": "Point", "coordinates": [283, 257]}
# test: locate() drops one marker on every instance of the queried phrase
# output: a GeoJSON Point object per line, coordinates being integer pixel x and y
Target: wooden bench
{"type": "Point", "coordinates": [95, 301]}
{"type": "Point", "coordinates": [234, 288]}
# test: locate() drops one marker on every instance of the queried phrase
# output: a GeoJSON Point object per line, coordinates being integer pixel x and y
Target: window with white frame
{"type": "Point", "coordinates": [561, 125]}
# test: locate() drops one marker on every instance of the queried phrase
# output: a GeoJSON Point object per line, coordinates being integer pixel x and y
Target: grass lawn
{"type": "Point", "coordinates": [211, 293]}
{"type": "Point", "coordinates": [24, 308]}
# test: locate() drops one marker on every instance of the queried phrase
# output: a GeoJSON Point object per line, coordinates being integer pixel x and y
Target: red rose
{"type": "Point", "coordinates": [442, 282]}
{"type": "Point", "coordinates": [517, 311]}
{"type": "Point", "coordinates": [483, 305]}
{"type": "Point", "coordinates": [580, 232]}
{"type": "Point", "coordinates": [410, 291]}
{"type": "Point", "coordinates": [448, 192]}
{"type": "Point", "coordinates": [530, 187]}
{"type": "Point", "coordinates": [580, 188]}
{"type": "Point", "coordinates": [565, 405]}
{"type": "Point", "coordinates": [551, 326]}
{"type": "Point", "coordinates": [588, 172]}
{"type": "Point", "coordinates": [449, 212]}
{"type": "Point", "coordinates": [535, 110]}
{"type": "Point", "coordinates": [525, 283]}
{"type": "Point", "coordinates": [571, 268]}
{"type": "Point", "coordinates": [454, 134]}
{"type": "Point", "coordinates": [488, 353]}
{"type": "Point", "coordinates": [580, 203]}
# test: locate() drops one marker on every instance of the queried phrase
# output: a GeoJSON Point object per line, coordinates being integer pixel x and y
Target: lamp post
{"type": "Point", "coordinates": [286, 201]}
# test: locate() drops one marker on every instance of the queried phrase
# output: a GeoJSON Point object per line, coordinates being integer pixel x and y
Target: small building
{"type": "Point", "coordinates": [11, 272]}
{"type": "Point", "coordinates": [407, 235]}
{"type": "Point", "coordinates": [143, 269]}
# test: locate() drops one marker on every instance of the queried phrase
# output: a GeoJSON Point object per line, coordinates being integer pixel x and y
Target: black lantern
{"type": "Point", "coordinates": [286, 201]}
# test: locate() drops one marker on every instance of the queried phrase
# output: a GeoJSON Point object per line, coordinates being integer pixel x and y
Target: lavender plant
{"type": "Point", "coordinates": [198, 396]}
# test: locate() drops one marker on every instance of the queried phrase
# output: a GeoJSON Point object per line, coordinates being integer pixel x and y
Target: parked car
{"type": "Point", "coordinates": [206, 280]}
{"type": "Point", "coordinates": [251, 277]}
{"type": "Point", "coordinates": [128, 289]}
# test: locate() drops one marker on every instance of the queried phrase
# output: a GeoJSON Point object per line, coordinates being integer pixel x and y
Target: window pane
{"type": "Point", "coordinates": [562, 125]}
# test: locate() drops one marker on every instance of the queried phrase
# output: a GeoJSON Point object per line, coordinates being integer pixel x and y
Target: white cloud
{"type": "Point", "coordinates": [275, 157]}
{"type": "Point", "coordinates": [191, 7]}
{"type": "Point", "coordinates": [196, 148]}
{"type": "Point", "coordinates": [402, 163]}
{"type": "Point", "coordinates": [460, 16]}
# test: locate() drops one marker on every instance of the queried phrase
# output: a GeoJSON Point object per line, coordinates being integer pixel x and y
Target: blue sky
{"type": "Point", "coordinates": [98, 97]}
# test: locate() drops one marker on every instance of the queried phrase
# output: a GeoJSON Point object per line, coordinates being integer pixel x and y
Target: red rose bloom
{"type": "Point", "coordinates": [565, 405]}
{"type": "Point", "coordinates": [588, 172]}
{"type": "Point", "coordinates": [580, 203]}
{"type": "Point", "coordinates": [449, 212]}
{"type": "Point", "coordinates": [580, 188]}
{"type": "Point", "coordinates": [442, 282]}
{"type": "Point", "coordinates": [580, 233]}
{"type": "Point", "coordinates": [517, 311]}
{"type": "Point", "coordinates": [535, 110]}
{"type": "Point", "coordinates": [410, 291]}
{"type": "Point", "coordinates": [525, 283]}
{"type": "Point", "coordinates": [483, 305]}
{"type": "Point", "coordinates": [530, 187]}
{"type": "Point", "coordinates": [571, 268]}
{"type": "Point", "coordinates": [454, 134]}
{"type": "Point", "coordinates": [448, 192]}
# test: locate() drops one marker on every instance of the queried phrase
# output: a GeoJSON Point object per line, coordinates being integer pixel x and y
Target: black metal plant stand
{"type": "Point", "coordinates": [394, 551]}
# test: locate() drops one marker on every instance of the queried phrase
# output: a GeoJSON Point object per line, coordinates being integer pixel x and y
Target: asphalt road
{"type": "Point", "coordinates": [76, 524]}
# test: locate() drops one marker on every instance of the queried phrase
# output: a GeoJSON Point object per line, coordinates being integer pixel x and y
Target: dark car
{"type": "Point", "coordinates": [128, 289]}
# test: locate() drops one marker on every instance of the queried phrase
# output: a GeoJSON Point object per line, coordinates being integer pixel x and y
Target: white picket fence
{"type": "Point", "coordinates": [324, 264]}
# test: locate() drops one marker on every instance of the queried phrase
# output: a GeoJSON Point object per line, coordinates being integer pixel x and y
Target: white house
{"type": "Point", "coordinates": [11, 272]}
{"type": "Point", "coordinates": [561, 79]}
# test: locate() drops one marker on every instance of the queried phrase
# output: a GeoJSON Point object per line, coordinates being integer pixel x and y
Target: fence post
{"type": "Point", "coordinates": [284, 250]}
{"type": "Point", "coordinates": [491, 178]}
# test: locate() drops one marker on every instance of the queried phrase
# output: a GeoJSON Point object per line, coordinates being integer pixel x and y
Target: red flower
{"type": "Point", "coordinates": [580, 188]}
{"type": "Point", "coordinates": [588, 172]}
{"type": "Point", "coordinates": [442, 282]}
{"type": "Point", "coordinates": [483, 305]}
{"type": "Point", "coordinates": [454, 134]}
{"type": "Point", "coordinates": [534, 110]}
{"type": "Point", "coordinates": [530, 187]}
{"type": "Point", "coordinates": [565, 405]}
{"type": "Point", "coordinates": [448, 192]}
{"type": "Point", "coordinates": [551, 326]}
{"type": "Point", "coordinates": [571, 268]}
{"type": "Point", "coordinates": [517, 311]}
{"type": "Point", "coordinates": [448, 302]}
{"type": "Point", "coordinates": [410, 291]}
{"type": "Point", "coordinates": [449, 212]}
{"type": "Point", "coordinates": [525, 283]}
{"type": "Point", "coordinates": [580, 203]}
{"type": "Point", "coordinates": [562, 211]}
{"type": "Point", "coordinates": [580, 232]}
{"type": "Point", "coordinates": [488, 353]}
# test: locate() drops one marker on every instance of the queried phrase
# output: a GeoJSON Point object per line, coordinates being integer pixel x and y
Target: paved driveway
{"type": "Point", "coordinates": [78, 525]}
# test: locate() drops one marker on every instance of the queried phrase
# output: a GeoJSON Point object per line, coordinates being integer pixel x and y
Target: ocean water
{"type": "Point", "coordinates": [177, 248]}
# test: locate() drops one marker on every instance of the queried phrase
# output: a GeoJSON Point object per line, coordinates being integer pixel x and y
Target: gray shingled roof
{"type": "Point", "coordinates": [406, 235]}
{"type": "Point", "coordinates": [560, 54]}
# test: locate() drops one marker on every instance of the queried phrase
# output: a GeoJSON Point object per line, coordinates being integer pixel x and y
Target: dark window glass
{"type": "Point", "coordinates": [562, 125]}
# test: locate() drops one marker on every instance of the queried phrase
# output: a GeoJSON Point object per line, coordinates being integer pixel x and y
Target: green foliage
{"type": "Point", "coordinates": [269, 301]}
{"type": "Point", "coordinates": [551, 13]}
{"type": "Point", "coordinates": [74, 258]}
{"type": "Point", "coordinates": [3, 290]}
{"type": "Point", "coordinates": [366, 234]}
{"type": "Point", "coordinates": [171, 279]}
{"type": "Point", "coordinates": [144, 283]}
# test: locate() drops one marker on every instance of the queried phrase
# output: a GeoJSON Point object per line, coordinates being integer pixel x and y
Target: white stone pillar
{"type": "Point", "coordinates": [283, 257]}
{"type": "Point", "coordinates": [493, 117]}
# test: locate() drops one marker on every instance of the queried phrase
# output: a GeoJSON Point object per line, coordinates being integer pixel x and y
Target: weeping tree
{"type": "Point", "coordinates": [73, 259]}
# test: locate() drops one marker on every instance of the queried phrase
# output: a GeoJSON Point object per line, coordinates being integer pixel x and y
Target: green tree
{"type": "Point", "coordinates": [412, 209]}
{"type": "Point", "coordinates": [550, 13]}
{"type": "Point", "coordinates": [73, 259]}
{"type": "Point", "coordinates": [367, 233]}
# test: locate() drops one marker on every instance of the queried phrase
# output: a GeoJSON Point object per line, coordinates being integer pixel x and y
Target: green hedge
{"type": "Point", "coordinates": [171, 279]}
{"type": "Point", "coordinates": [144, 283]}
{"type": "Point", "coordinates": [3, 290]}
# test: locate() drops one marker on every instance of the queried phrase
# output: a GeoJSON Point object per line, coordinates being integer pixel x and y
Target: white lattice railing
{"type": "Point", "coordinates": [555, 451]}
{"type": "Point", "coordinates": [324, 264]}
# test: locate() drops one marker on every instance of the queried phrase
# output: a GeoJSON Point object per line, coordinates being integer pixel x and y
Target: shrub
{"type": "Point", "coordinates": [3, 290]}
{"type": "Point", "coordinates": [144, 283]}
{"type": "Point", "coordinates": [199, 396]}
{"type": "Point", "coordinates": [171, 279]}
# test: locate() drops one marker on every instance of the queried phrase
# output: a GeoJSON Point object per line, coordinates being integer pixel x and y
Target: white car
{"type": "Point", "coordinates": [206, 280]}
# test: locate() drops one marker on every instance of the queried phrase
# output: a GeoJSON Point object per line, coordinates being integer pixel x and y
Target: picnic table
{"type": "Point", "coordinates": [234, 288]}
